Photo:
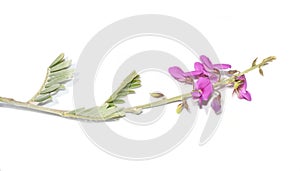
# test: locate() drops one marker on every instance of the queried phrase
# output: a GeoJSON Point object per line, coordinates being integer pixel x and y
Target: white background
{"type": "Point", "coordinates": [258, 135]}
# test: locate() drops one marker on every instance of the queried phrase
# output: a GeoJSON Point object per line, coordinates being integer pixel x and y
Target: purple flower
{"type": "Point", "coordinates": [212, 70]}
{"type": "Point", "coordinates": [209, 66]}
{"type": "Point", "coordinates": [199, 71]}
{"type": "Point", "coordinates": [179, 75]}
{"type": "Point", "coordinates": [240, 88]}
{"type": "Point", "coordinates": [207, 69]}
{"type": "Point", "coordinates": [216, 104]}
{"type": "Point", "coordinates": [203, 90]}
{"type": "Point", "coordinates": [206, 74]}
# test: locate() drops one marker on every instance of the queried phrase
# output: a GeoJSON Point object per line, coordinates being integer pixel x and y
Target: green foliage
{"type": "Point", "coordinates": [58, 73]}
{"type": "Point", "coordinates": [109, 110]}
{"type": "Point", "coordinates": [132, 81]}
{"type": "Point", "coordinates": [99, 113]}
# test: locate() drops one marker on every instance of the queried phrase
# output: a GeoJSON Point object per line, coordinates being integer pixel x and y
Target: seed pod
{"type": "Point", "coordinates": [179, 108]}
{"type": "Point", "coordinates": [157, 95]}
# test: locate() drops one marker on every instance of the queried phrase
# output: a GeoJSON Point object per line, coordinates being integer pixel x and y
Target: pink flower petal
{"type": "Point", "coordinates": [201, 83]}
{"type": "Point", "coordinates": [192, 74]}
{"type": "Point", "coordinates": [243, 95]}
{"type": "Point", "coordinates": [216, 104]}
{"type": "Point", "coordinates": [200, 102]}
{"type": "Point", "coordinates": [222, 66]}
{"type": "Point", "coordinates": [214, 78]}
{"type": "Point", "coordinates": [198, 66]}
{"type": "Point", "coordinates": [242, 78]}
{"type": "Point", "coordinates": [196, 94]}
{"type": "Point", "coordinates": [207, 91]}
{"type": "Point", "coordinates": [247, 96]}
{"type": "Point", "coordinates": [206, 61]}
{"type": "Point", "coordinates": [243, 86]}
{"type": "Point", "coordinates": [177, 73]}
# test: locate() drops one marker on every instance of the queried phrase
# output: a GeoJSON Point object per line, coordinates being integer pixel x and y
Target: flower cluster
{"type": "Point", "coordinates": [204, 79]}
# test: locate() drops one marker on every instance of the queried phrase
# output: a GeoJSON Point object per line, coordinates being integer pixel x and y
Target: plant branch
{"type": "Point", "coordinates": [138, 109]}
{"type": "Point", "coordinates": [100, 113]}
{"type": "Point", "coordinates": [253, 67]}
{"type": "Point", "coordinates": [32, 106]}
{"type": "Point", "coordinates": [58, 73]}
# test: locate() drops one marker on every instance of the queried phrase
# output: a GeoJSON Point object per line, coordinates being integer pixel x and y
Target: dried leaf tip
{"type": "Point", "coordinates": [265, 62]}
{"type": "Point", "coordinates": [231, 72]}
{"type": "Point", "coordinates": [185, 105]}
{"type": "Point", "coordinates": [261, 72]}
{"type": "Point", "coordinates": [254, 62]}
{"type": "Point", "coordinates": [270, 59]}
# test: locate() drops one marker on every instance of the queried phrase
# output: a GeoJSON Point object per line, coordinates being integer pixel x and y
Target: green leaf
{"type": "Point", "coordinates": [60, 66]}
{"type": "Point", "coordinates": [131, 82]}
{"type": "Point", "coordinates": [118, 101]}
{"type": "Point", "coordinates": [58, 73]}
{"type": "Point", "coordinates": [136, 81]}
{"type": "Point", "coordinates": [99, 113]}
{"type": "Point", "coordinates": [66, 72]}
{"type": "Point", "coordinates": [57, 80]}
{"type": "Point", "coordinates": [57, 60]}
{"type": "Point", "coordinates": [115, 115]}
{"type": "Point", "coordinates": [50, 89]}
{"type": "Point", "coordinates": [128, 91]}
{"type": "Point", "coordinates": [122, 94]}
{"type": "Point", "coordinates": [133, 86]}
{"type": "Point", "coordinates": [90, 112]}
{"type": "Point", "coordinates": [42, 98]}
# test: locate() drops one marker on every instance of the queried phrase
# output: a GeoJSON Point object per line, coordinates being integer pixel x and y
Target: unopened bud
{"type": "Point", "coordinates": [157, 95]}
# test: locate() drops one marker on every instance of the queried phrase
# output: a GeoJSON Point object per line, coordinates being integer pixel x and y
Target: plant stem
{"type": "Point", "coordinates": [61, 113]}
{"type": "Point", "coordinates": [253, 67]}
{"type": "Point", "coordinates": [32, 106]}
{"type": "Point", "coordinates": [135, 109]}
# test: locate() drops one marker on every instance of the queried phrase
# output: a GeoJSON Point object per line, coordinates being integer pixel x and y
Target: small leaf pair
{"type": "Point", "coordinates": [265, 62]}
